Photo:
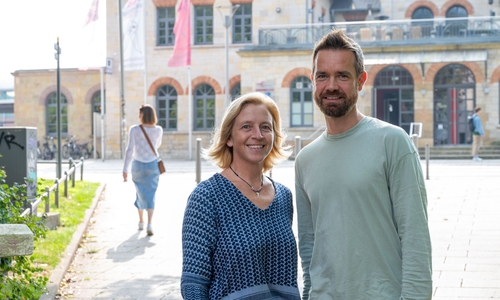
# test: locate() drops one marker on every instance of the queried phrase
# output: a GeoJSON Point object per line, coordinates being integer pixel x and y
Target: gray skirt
{"type": "Point", "coordinates": [145, 177]}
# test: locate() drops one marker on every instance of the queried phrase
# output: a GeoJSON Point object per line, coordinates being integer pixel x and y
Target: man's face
{"type": "Point", "coordinates": [335, 84]}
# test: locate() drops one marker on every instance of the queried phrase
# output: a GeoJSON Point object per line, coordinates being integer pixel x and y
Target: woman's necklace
{"type": "Point", "coordinates": [257, 191]}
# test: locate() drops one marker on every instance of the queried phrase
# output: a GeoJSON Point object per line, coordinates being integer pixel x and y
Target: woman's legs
{"type": "Point", "coordinates": [141, 219]}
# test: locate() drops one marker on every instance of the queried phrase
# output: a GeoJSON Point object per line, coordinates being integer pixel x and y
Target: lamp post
{"type": "Point", "coordinates": [58, 114]}
{"type": "Point", "coordinates": [227, 23]}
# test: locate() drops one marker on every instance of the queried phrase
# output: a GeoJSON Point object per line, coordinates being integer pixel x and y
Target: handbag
{"type": "Point", "coordinates": [161, 166]}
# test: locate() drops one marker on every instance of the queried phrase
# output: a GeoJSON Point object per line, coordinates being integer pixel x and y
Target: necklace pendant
{"type": "Point", "coordinates": [258, 194]}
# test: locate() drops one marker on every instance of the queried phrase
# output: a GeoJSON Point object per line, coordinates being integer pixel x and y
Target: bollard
{"type": "Point", "coordinates": [70, 163]}
{"type": "Point", "coordinates": [198, 160]}
{"type": "Point", "coordinates": [427, 154]}
{"type": "Point", "coordinates": [81, 169]}
{"type": "Point", "coordinates": [56, 195]}
{"type": "Point", "coordinates": [65, 183]}
{"type": "Point", "coordinates": [73, 178]}
{"type": "Point", "coordinates": [47, 205]}
{"type": "Point", "coordinates": [298, 145]}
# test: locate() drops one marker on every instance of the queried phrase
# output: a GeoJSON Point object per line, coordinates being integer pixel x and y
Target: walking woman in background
{"type": "Point", "coordinates": [237, 238]}
{"type": "Point", "coordinates": [145, 173]}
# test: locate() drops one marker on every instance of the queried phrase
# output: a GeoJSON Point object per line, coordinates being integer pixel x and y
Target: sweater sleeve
{"type": "Point", "coordinates": [198, 242]}
{"type": "Point", "coordinates": [305, 229]}
{"type": "Point", "coordinates": [408, 194]}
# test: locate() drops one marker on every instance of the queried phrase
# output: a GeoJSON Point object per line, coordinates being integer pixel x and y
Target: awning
{"type": "Point", "coordinates": [394, 58]}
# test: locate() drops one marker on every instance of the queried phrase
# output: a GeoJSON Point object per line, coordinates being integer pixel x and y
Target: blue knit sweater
{"type": "Point", "coordinates": [234, 250]}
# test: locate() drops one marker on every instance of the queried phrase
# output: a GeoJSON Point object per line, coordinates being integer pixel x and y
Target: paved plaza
{"type": "Point", "coordinates": [116, 261]}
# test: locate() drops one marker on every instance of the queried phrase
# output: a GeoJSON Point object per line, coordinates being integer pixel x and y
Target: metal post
{"type": "Point", "coordinates": [227, 23]}
{"type": "Point", "coordinates": [47, 200]}
{"type": "Point", "coordinates": [56, 195]}
{"type": "Point", "coordinates": [56, 55]}
{"type": "Point", "coordinates": [122, 85]}
{"type": "Point", "coordinates": [65, 183]}
{"type": "Point", "coordinates": [198, 160]}
{"type": "Point", "coordinates": [81, 169]}
{"type": "Point", "coordinates": [74, 175]}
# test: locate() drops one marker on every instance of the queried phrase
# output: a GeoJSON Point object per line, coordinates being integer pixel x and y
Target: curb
{"type": "Point", "coordinates": [58, 273]}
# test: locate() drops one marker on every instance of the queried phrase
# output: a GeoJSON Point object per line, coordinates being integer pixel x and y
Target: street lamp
{"type": "Point", "coordinates": [58, 114]}
{"type": "Point", "coordinates": [227, 23]}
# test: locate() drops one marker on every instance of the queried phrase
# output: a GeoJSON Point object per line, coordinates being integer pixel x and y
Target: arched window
{"type": "Point", "coordinates": [454, 101]}
{"type": "Point", "coordinates": [166, 107]}
{"type": "Point", "coordinates": [422, 13]}
{"type": "Point", "coordinates": [426, 27]}
{"type": "Point", "coordinates": [204, 107]}
{"type": "Point", "coordinates": [236, 91]}
{"type": "Point", "coordinates": [394, 97]}
{"type": "Point", "coordinates": [456, 11]}
{"type": "Point", "coordinates": [51, 113]}
{"type": "Point", "coordinates": [301, 102]}
{"type": "Point", "coordinates": [456, 28]}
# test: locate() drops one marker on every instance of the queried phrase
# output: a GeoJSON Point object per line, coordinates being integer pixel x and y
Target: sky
{"type": "Point", "coordinates": [30, 28]}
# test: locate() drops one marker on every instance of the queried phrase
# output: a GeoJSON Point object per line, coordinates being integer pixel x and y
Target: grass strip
{"type": "Point", "coordinates": [50, 250]}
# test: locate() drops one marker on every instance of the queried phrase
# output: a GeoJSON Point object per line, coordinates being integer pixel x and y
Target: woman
{"type": "Point", "coordinates": [145, 173]}
{"type": "Point", "coordinates": [237, 238]}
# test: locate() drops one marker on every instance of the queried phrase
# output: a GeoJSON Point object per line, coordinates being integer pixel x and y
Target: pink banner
{"type": "Point", "coordinates": [93, 13]}
{"type": "Point", "coordinates": [182, 31]}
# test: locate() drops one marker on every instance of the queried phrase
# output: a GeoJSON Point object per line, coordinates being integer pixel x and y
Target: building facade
{"type": "Point", "coordinates": [428, 63]}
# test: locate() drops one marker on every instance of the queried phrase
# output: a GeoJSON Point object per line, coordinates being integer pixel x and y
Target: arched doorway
{"type": "Point", "coordinates": [394, 97]}
{"type": "Point", "coordinates": [454, 100]}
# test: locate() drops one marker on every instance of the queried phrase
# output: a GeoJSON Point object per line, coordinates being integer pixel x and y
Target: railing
{"type": "Point", "coordinates": [68, 175]}
{"type": "Point", "coordinates": [389, 32]}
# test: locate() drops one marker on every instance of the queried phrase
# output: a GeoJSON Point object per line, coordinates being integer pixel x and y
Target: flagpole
{"type": "Point", "coordinates": [122, 83]}
{"type": "Point", "coordinates": [145, 56]}
{"type": "Point", "coordinates": [190, 115]}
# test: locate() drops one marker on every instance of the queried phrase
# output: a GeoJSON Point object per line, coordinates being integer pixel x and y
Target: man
{"type": "Point", "coordinates": [360, 193]}
{"type": "Point", "coordinates": [477, 134]}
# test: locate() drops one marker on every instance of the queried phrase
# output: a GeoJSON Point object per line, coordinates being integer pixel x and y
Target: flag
{"type": "Point", "coordinates": [182, 31]}
{"type": "Point", "coordinates": [92, 15]}
{"type": "Point", "coordinates": [133, 35]}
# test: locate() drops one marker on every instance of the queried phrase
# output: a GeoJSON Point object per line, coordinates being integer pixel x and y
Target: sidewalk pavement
{"type": "Point", "coordinates": [116, 261]}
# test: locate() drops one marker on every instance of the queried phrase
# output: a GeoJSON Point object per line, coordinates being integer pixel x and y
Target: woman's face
{"type": "Point", "coordinates": [252, 135]}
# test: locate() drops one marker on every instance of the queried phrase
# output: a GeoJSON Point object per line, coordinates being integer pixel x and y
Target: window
{"type": "Point", "coordinates": [422, 13]}
{"type": "Point", "coordinates": [51, 113]}
{"type": "Point", "coordinates": [166, 107]}
{"type": "Point", "coordinates": [236, 91]}
{"type": "Point", "coordinates": [301, 102]}
{"type": "Point", "coordinates": [456, 11]}
{"type": "Point", "coordinates": [204, 107]}
{"type": "Point", "coordinates": [242, 24]}
{"type": "Point", "coordinates": [203, 18]}
{"type": "Point", "coordinates": [165, 26]}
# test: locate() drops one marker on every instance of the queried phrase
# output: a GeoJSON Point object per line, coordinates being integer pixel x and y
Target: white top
{"type": "Point", "coordinates": [138, 147]}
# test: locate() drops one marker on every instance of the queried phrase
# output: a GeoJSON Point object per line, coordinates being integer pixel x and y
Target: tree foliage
{"type": "Point", "coordinates": [20, 278]}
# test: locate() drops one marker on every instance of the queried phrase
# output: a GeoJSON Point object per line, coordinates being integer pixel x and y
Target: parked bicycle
{"type": "Point", "coordinates": [48, 150]}
{"type": "Point", "coordinates": [74, 150]}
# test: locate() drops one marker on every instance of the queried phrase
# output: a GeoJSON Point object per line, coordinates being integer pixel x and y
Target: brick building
{"type": "Point", "coordinates": [428, 62]}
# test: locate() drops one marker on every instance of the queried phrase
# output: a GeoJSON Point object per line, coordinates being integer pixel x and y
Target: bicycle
{"type": "Point", "coordinates": [74, 150]}
{"type": "Point", "coordinates": [48, 151]}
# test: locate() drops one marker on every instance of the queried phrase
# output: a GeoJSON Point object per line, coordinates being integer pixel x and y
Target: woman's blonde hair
{"type": "Point", "coordinates": [222, 155]}
{"type": "Point", "coordinates": [148, 114]}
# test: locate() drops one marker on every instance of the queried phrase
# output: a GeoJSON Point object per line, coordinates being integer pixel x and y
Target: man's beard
{"type": "Point", "coordinates": [337, 110]}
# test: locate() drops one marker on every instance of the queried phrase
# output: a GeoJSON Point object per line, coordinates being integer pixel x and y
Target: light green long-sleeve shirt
{"type": "Point", "coordinates": [362, 216]}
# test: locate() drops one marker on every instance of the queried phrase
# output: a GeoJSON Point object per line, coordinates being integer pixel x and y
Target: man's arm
{"type": "Point", "coordinates": [409, 197]}
{"type": "Point", "coordinates": [306, 232]}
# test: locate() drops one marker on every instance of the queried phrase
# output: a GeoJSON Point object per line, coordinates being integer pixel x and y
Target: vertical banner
{"type": "Point", "coordinates": [181, 56]}
{"type": "Point", "coordinates": [92, 38]}
{"type": "Point", "coordinates": [133, 35]}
